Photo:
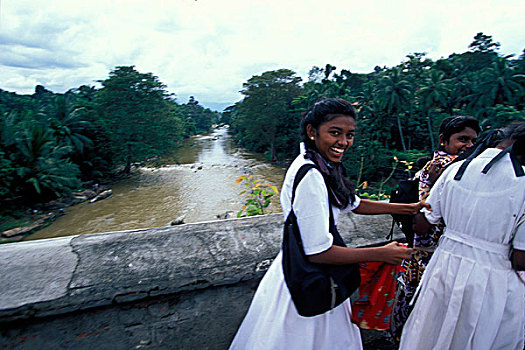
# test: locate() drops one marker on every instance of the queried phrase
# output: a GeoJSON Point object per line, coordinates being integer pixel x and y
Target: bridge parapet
{"type": "Point", "coordinates": [185, 286]}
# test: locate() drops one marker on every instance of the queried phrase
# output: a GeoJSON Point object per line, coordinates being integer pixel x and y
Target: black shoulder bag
{"type": "Point", "coordinates": [315, 288]}
{"type": "Point", "coordinates": [406, 192]}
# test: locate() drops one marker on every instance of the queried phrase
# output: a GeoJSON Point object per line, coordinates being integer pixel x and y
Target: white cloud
{"type": "Point", "coordinates": [208, 49]}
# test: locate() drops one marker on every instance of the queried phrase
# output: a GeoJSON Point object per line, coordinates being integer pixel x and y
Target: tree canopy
{"type": "Point", "coordinates": [400, 107]}
{"type": "Point", "coordinates": [267, 107]}
{"type": "Point", "coordinates": [135, 112]}
{"type": "Point", "coordinates": [52, 143]}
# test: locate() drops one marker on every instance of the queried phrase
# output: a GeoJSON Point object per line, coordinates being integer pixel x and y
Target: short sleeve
{"type": "Point", "coordinates": [311, 209]}
{"type": "Point", "coordinates": [352, 206]}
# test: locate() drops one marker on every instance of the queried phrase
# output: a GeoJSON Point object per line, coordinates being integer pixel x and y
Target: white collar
{"type": "Point", "coordinates": [302, 148]}
{"type": "Point", "coordinates": [490, 153]}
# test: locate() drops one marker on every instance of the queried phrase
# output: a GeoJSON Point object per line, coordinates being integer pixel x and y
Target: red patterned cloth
{"type": "Point", "coordinates": [373, 308]}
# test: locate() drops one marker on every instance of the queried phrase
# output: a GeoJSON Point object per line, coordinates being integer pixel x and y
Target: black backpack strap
{"type": "Point", "coordinates": [467, 161]}
{"type": "Point", "coordinates": [390, 235]}
{"type": "Point", "coordinates": [298, 177]}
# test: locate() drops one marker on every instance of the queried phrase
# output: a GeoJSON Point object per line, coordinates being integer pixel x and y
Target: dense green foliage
{"type": "Point", "coordinates": [52, 143]}
{"type": "Point", "coordinates": [267, 112]}
{"type": "Point", "coordinates": [400, 108]}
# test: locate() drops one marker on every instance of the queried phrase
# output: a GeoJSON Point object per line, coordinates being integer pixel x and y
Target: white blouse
{"type": "Point", "coordinates": [272, 321]}
{"type": "Point", "coordinates": [470, 297]}
{"type": "Point", "coordinates": [488, 206]}
{"type": "Point", "coordinates": [311, 207]}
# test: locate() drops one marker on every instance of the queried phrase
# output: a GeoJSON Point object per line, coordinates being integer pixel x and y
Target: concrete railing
{"type": "Point", "coordinates": [184, 287]}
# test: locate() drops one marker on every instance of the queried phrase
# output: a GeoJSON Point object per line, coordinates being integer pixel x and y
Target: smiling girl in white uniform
{"type": "Point", "coordinates": [272, 321]}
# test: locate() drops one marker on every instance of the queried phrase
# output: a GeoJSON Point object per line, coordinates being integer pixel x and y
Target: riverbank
{"type": "Point", "coordinates": [30, 220]}
{"type": "Point", "coordinates": [196, 184]}
{"type": "Point", "coordinates": [33, 219]}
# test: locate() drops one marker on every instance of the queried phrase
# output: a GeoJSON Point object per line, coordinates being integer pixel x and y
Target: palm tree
{"type": "Point", "coordinates": [367, 93]}
{"type": "Point", "coordinates": [7, 146]}
{"type": "Point", "coordinates": [499, 84]}
{"type": "Point", "coordinates": [433, 95]}
{"type": "Point", "coordinates": [8, 133]}
{"type": "Point", "coordinates": [393, 93]}
{"type": "Point", "coordinates": [68, 124]}
{"type": "Point", "coordinates": [461, 90]}
{"type": "Point", "coordinates": [372, 115]}
{"type": "Point", "coordinates": [43, 166]}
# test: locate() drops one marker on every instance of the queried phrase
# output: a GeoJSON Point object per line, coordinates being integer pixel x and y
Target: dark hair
{"type": "Point", "coordinates": [515, 131]}
{"type": "Point", "coordinates": [324, 110]}
{"type": "Point", "coordinates": [455, 124]}
{"type": "Point", "coordinates": [340, 189]}
{"type": "Point", "coordinates": [489, 140]}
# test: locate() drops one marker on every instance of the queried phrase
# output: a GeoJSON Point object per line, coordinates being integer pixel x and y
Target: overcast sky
{"type": "Point", "coordinates": [209, 48]}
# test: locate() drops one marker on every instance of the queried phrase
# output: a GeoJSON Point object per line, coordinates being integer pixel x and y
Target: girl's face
{"type": "Point", "coordinates": [459, 141]}
{"type": "Point", "coordinates": [333, 137]}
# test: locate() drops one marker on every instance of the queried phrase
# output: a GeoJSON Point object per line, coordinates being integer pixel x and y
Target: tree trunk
{"type": "Point", "coordinates": [272, 152]}
{"type": "Point", "coordinates": [400, 129]}
{"type": "Point", "coordinates": [430, 133]}
{"type": "Point", "coordinates": [127, 168]}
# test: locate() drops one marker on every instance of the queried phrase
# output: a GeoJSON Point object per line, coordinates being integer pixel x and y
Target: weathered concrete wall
{"type": "Point", "coordinates": [183, 287]}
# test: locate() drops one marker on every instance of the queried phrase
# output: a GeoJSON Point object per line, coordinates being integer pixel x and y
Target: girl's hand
{"type": "Point", "coordinates": [394, 253]}
{"type": "Point", "coordinates": [368, 207]}
{"type": "Point", "coordinates": [420, 223]}
{"type": "Point", "coordinates": [411, 208]}
{"type": "Point", "coordinates": [434, 172]}
{"type": "Point", "coordinates": [416, 207]}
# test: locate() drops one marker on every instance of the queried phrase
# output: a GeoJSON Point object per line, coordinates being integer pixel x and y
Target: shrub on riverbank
{"type": "Point", "coordinates": [258, 196]}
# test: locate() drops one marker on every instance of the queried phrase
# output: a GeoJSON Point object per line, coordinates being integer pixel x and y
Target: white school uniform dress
{"type": "Point", "coordinates": [272, 321]}
{"type": "Point", "coordinates": [470, 297]}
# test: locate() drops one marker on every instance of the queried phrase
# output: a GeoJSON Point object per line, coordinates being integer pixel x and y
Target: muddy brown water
{"type": "Point", "coordinates": [198, 187]}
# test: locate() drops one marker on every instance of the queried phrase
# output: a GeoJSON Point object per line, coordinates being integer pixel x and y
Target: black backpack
{"type": "Point", "coordinates": [406, 192]}
{"type": "Point", "coordinates": [314, 288]}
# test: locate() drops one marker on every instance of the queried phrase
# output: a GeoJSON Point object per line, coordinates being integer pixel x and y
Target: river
{"type": "Point", "coordinates": [200, 186]}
